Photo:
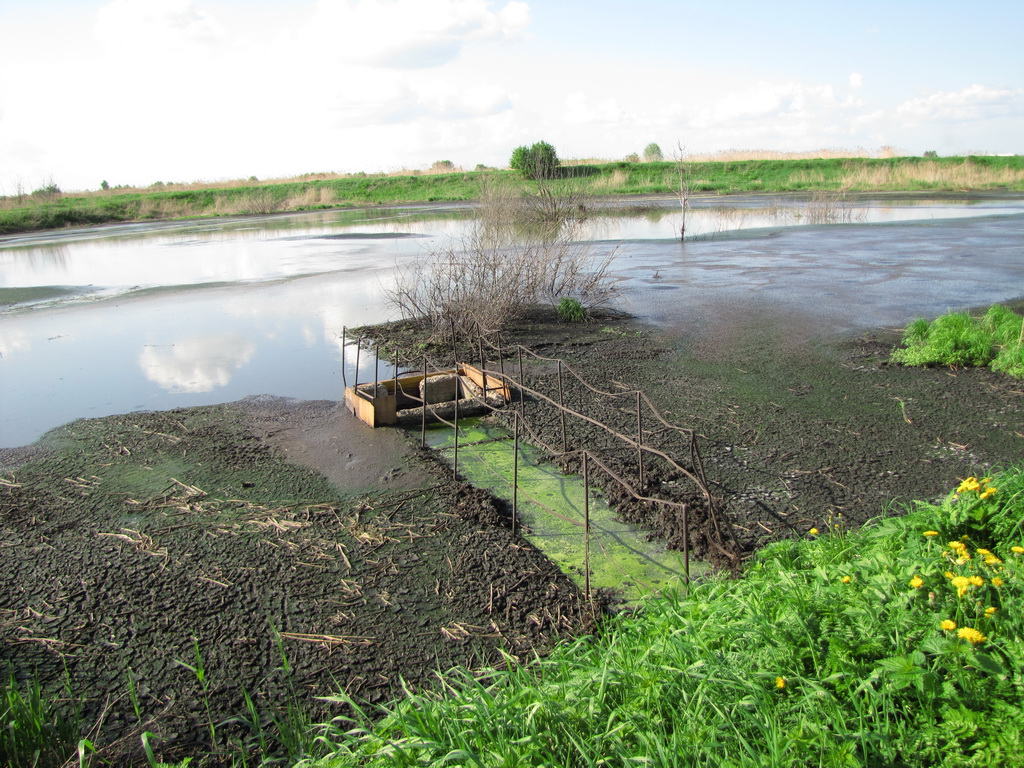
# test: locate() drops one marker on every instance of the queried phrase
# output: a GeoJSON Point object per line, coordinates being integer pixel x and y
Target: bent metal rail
{"type": "Point", "coordinates": [515, 392]}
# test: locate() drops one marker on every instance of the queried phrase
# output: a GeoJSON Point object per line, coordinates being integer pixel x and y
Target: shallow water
{"type": "Point", "coordinates": [156, 316]}
{"type": "Point", "coordinates": [552, 507]}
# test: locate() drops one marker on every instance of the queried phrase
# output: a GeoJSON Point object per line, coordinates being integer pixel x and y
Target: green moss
{"type": "Point", "coordinates": [551, 509]}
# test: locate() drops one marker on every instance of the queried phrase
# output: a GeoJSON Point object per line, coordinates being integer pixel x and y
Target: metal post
{"type": "Point", "coordinates": [455, 462]}
{"type": "Point", "coordinates": [483, 364]}
{"type": "Point", "coordinates": [344, 378]}
{"type": "Point", "coordinates": [522, 394]}
{"type": "Point", "coordinates": [423, 417]}
{"type": "Point", "coordinates": [515, 472]}
{"type": "Point", "coordinates": [686, 542]}
{"type": "Point", "coordinates": [561, 405]}
{"type": "Point", "coordinates": [501, 358]}
{"type": "Point", "coordinates": [640, 439]}
{"type": "Point", "coordinates": [359, 347]}
{"type": "Point", "coordinates": [586, 525]}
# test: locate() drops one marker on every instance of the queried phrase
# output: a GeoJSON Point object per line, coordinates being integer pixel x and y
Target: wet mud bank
{"type": "Point", "coordinates": [135, 547]}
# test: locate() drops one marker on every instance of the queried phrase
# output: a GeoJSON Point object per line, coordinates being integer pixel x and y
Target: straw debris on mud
{"type": "Point", "coordinates": [135, 545]}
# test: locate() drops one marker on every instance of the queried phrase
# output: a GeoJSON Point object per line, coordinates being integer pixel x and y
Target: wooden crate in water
{"type": "Point", "coordinates": [380, 404]}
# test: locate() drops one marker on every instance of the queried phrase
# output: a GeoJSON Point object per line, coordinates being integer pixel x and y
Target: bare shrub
{"type": "Point", "coordinates": [545, 210]}
{"type": "Point", "coordinates": [827, 207]}
{"type": "Point", "coordinates": [259, 202]}
{"type": "Point", "coordinates": [495, 274]}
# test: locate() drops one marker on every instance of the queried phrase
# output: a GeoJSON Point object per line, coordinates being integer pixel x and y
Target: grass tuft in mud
{"type": "Point", "coordinates": [957, 339]}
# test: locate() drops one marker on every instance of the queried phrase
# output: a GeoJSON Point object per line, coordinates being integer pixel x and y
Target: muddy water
{"type": "Point", "coordinates": [149, 317]}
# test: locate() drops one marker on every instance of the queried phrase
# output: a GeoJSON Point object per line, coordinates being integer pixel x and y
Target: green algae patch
{"type": "Point", "coordinates": [550, 508]}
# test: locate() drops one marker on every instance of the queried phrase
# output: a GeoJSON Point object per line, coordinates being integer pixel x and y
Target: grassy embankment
{"type": "Point", "coordinates": [899, 644]}
{"type": "Point", "coordinates": [951, 174]}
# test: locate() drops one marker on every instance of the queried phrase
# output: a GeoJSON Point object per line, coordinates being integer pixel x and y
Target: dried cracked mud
{"type": "Point", "coordinates": [271, 530]}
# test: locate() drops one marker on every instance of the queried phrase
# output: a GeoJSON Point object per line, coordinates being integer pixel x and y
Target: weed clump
{"type": "Point", "coordinates": [570, 310]}
{"type": "Point", "coordinates": [959, 340]}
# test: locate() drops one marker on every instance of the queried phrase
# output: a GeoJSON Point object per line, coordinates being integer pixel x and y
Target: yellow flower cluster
{"type": "Point", "coordinates": [981, 487]}
{"type": "Point", "coordinates": [972, 636]}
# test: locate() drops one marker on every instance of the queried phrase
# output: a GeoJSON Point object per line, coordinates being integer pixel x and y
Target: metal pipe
{"type": "Point", "coordinates": [586, 525]}
{"type": "Point", "coordinates": [344, 378]}
{"type": "Point", "coordinates": [561, 406]}
{"type": "Point", "coordinates": [640, 439]}
{"type": "Point", "coordinates": [423, 417]}
{"type": "Point", "coordinates": [359, 348]}
{"type": "Point", "coordinates": [686, 542]}
{"type": "Point", "coordinates": [522, 393]}
{"type": "Point", "coordinates": [515, 472]}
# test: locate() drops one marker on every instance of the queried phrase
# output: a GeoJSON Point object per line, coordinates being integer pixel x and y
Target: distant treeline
{"type": "Point", "coordinates": [25, 213]}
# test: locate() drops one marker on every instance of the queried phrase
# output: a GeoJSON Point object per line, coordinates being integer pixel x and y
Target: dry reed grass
{"type": "Point", "coordinates": [965, 175]}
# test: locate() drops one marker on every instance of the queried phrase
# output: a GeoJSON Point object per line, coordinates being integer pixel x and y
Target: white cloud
{"type": "Point", "coordinates": [14, 341]}
{"type": "Point", "coordinates": [973, 103]}
{"type": "Point", "coordinates": [378, 98]}
{"type": "Point", "coordinates": [156, 26]}
{"type": "Point", "coordinates": [766, 101]}
{"type": "Point", "coordinates": [856, 81]}
{"type": "Point", "coordinates": [580, 109]}
{"type": "Point", "coordinates": [197, 364]}
{"type": "Point", "coordinates": [410, 34]}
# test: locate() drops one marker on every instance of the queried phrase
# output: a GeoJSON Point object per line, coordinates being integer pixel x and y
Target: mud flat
{"type": "Point", "coordinates": [253, 533]}
{"type": "Point", "coordinates": [272, 529]}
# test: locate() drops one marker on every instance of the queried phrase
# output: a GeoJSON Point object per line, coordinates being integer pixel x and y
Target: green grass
{"type": "Point", "coordinates": [915, 174]}
{"type": "Point", "coordinates": [830, 651]}
{"type": "Point", "coordinates": [957, 339]}
{"type": "Point", "coordinates": [34, 731]}
{"type": "Point", "coordinates": [570, 310]}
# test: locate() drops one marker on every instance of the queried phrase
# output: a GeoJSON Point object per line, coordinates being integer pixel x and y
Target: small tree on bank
{"type": "Point", "coordinates": [653, 153]}
{"type": "Point", "coordinates": [538, 161]}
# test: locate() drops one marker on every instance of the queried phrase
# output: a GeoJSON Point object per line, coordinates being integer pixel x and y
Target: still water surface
{"type": "Point", "coordinates": [156, 316]}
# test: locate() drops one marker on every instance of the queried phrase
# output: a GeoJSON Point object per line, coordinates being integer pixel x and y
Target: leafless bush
{"type": "Point", "coordinates": [486, 281]}
{"type": "Point", "coordinates": [828, 208]}
{"type": "Point", "coordinates": [259, 202]}
{"type": "Point", "coordinates": [547, 210]}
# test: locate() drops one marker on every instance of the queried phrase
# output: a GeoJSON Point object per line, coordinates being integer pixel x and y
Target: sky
{"type": "Point", "coordinates": [138, 91]}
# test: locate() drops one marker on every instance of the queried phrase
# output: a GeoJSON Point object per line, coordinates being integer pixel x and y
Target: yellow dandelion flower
{"type": "Point", "coordinates": [986, 480]}
{"type": "Point", "coordinates": [993, 560]}
{"type": "Point", "coordinates": [1018, 550]}
{"type": "Point", "coordinates": [990, 610]}
{"type": "Point", "coordinates": [948, 624]}
{"type": "Point", "coordinates": [976, 580]}
{"type": "Point", "coordinates": [962, 584]}
{"type": "Point", "coordinates": [780, 683]}
{"type": "Point", "coordinates": [971, 635]}
{"type": "Point", "coordinates": [958, 546]}
{"type": "Point", "coordinates": [930, 533]}
{"type": "Point", "coordinates": [996, 581]}
{"type": "Point", "coordinates": [848, 579]}
{"type": "Point", "coordinates": [948, 574]}
{"type": "Point", "coordinates": [990, 491]}
{"type": "Point", "coordinates": [982, 551]}
{"type": "Point", "coordinates": [970, 484]}
{"type": "Point", "coordinates": [813, 531]}
{"type": "Point", "coordinates": [916, 582]}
